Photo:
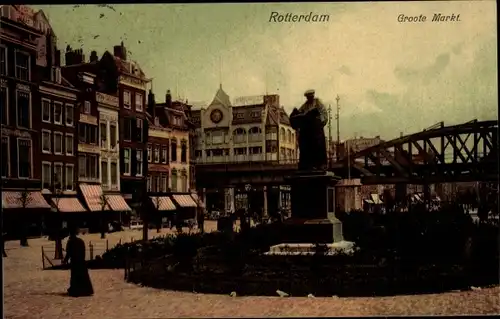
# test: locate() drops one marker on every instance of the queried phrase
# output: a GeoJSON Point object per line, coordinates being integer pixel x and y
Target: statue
{"type": "Point", "coordinates": [309, 121]}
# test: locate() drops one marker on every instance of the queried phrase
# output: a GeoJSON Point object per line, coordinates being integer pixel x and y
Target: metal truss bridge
{"type": "Point", "coordinates": [439, 154]}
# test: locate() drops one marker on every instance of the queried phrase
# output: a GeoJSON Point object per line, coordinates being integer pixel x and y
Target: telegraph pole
{"type": "Point", "coordinates": [337, 117]}
{"type": "Point", "coordinates": [330, 154]}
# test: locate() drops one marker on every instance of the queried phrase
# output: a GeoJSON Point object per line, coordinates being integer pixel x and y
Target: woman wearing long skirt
{"type": "Point", "coordinates": [80, 284]}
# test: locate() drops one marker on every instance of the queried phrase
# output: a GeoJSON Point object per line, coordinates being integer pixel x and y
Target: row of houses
{"type": "Point", "coordinates": [88, 130]}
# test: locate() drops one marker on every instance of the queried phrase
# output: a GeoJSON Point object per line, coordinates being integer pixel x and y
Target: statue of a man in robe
{"type": "Point", "coordinates": [309, 121]}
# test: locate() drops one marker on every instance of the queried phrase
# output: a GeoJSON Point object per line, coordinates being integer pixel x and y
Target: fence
{"type": "Point", "coordinates": [92, 250]}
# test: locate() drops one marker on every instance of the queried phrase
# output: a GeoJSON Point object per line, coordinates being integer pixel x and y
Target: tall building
{"type": "Point", "coordinates": [254, 129]}
{"type": "Point", "coordinates": [250, 129]}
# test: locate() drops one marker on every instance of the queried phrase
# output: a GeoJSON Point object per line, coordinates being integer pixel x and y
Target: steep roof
{"type": "Point", "coordinates": [129, 67]}
{"type": "Point", "coordinates": [221, 98]}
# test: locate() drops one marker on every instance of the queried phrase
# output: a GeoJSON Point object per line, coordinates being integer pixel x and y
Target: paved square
{"type": "Point", "coordinates": [30, 292]}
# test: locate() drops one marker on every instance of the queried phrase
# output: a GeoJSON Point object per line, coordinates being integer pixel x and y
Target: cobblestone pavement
{"type": "Point", "coordinates": [30, 292]}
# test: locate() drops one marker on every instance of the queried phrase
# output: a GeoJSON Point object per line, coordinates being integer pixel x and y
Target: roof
{"type": "Point", "coordinates": [277, 116]}
{"type": "Point", "coordinates": [129, 67]}
{"type": "Point", "coordinates": [221, 98]}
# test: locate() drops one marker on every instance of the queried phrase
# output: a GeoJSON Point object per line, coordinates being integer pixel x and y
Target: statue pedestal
{"type": "Point", "coordinates": [313, 209]}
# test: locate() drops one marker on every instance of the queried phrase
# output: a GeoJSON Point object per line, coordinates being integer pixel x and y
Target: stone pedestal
{"type": "Point", "coordinates": [313, 209]}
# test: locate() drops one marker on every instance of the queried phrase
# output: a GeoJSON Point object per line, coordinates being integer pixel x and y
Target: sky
{"type": "Point", "coordinates": [391, 77]}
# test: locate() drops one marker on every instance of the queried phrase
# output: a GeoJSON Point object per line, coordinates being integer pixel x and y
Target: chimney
{"type": "Point", "coordinates": [120, 51]}
{"type": "Point", "coordinates": [68, 56]}
{"type": "Point", "coordinates": [58, 58]}
{"type": "Point", "coordinates": [168, 99]}
{"type": "Point", "coordinates": [93, 56]}
{"type": "Point", "coordinates": [151, 104]}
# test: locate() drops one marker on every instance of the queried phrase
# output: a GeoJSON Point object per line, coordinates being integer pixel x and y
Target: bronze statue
{"type": "Point", "coordinates": [309, 121]}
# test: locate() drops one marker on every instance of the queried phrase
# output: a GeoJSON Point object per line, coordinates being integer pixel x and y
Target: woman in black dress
{"type": "Point", "coordinates": [80, 284]}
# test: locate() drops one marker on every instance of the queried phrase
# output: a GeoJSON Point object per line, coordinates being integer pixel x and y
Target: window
{"type": "Point", "coordinates": [240, 116]}
{"type": "Point", "coordinates": [148, 183]}
{"type": "Point", "coordinates": [114, 173]}
{"type": "Point", "coordinates": [58, 175]}
{"type": "Point", "coordinates": [92, 135]}
{"type": "Point", "coordinates": [157, 121]}
{"type": "Point", "coordinates": [69, 144]}
{"type": "Point", "coordinates": [174, 180]}
{"type": "Point", "coordinates": [112, 135]}
{"type": "Point", "coordinates": [183, 152]}
{"type": "Point", "coordinates": [58, 143]}
{"type": "Point", "coordinates": [157, 182]}
{"type": "Point", "coordinates": [154, 186]}
{"type": "Point", "coordinates": [56, 75]}
{"type": "Point", "coordinates": [126, 99]}
{"type": "Point", "coordinates": [104, 174]}
{"type": "Point", "coordinates": [46, 175]}
{"type": "Point", "coordinates": [70, 171]}
{"type": "Point", "coordinates": [139, 157]}
{"type": "Point", "coordinates": [138, 102]}
{"type": "Point", "coordinates": [173, 150]}
{"type": "Point", "coordinates": [82, 166]}
{"type": "Point", "coordinates": [177, 121]}
{"type": "Point", "coordinates": [157, 154]}
{"type": "Point", "coordinates": [92, 165]}
{"type": "Point", "coordinates": [104, 136]}
{"type": "Point", "coordinates": [46, 110]}
{"type": "Point", "coordinates": [149, 153]}
{"type": "Point", "coordinates": [4, 102]}
{"type": "Point", "coordinates": [127, 129]}
{"type": "Point", "coordinates": [22, 66]}
{"type": "Point", "coordinates": [70, 115]}
{"type": "Point", "coordinates": [255, 114]}
{"type": "Point", "coordinates": [164, 151]}
{"type": "Point", "coordinates": [3, 60]}
{"type": "Point", "coordinates": [46, 142]}
{"type": "Point", "coordinates": [86, 107]}
{"type": "Point", "coordinates": [184, 184]}
{"type": "Point", "coordinates": [126, 161]}
{"type": "Point", "coordinates": [164, 182]}
{"type": "Point", "coordinates": [5, 157]}
{"type": "Point", "coordinates": [58, 112]}
{"type": "Point", "coordinates": [139, 130]}
{"type": "Point", "coordinates": [23, 109]}
{"type": "Point", "coordinates": [24, 158]}
{"type": "Point", "coordinates": [82, 132]}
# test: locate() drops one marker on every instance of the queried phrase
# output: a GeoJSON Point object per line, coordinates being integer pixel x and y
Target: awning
{"type": "Point", "coordinates": [163, 203]}
{"type": "Point", "coordinates": [184, 200]}
{"type": "Point", "coordinates": [92, 195]}
{"type": "Point", "coordinates": [14, 200]}
{"type": "Point", "coordinates": [118, 203]}
{"type": "Point", "coordinates": [368, 201]}
{"type": "Point", "coordinates": [68, 205]}
{"type": "Point", "coordinates": [197, 199]}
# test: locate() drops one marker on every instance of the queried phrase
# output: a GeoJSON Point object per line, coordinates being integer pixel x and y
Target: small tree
{"type": "Point", "coordinates": [103, 201]}
{"type": "Point", "coordinates": [24, 199]}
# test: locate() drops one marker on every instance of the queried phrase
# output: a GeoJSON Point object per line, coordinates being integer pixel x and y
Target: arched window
{"type": "Point", "coordinates": [239, 135]}
{"type": "Point", "coordinates": [282, 134]}
{"type": "Point", "coordinates": [173, 150]}
{"type": "Point", "coordinates": [183, 151]}
{"type": "Point", "coordinates": [289, 136]}
{"type": "Point", "coordinates": [255, 134]}
{"type": "Point", "coordinates": [184, 183]}
{"type": "Point", "coordinates": [174, 180]}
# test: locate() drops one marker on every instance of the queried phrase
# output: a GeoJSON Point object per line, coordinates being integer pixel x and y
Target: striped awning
{"type": "Point", "coordinates": [163, 203]}
{"type": "Point", "coordinates": [93, 197]}
{"type": "Point", "coordinates": [68, 205]}
{"type": "Point", "coordinates": [184, 200]}
{"type": "Point", "coordinates": [197, 200]}
{"type": "Point", "coordinates": [15, 200]}
{"type": "Point", "coordinates": [118, 203]}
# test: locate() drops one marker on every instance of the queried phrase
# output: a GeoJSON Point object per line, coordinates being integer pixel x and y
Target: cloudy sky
{"type": "Point", "coordinates": [391, 77]}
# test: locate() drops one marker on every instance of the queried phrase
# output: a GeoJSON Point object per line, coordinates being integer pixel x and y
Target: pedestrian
{"type": "Point", "coordinates": [80, 284]}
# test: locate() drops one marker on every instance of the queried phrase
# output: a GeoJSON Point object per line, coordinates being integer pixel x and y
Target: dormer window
{"type": "Point", "coordinates": [157, 120]}
{"type": "Point", "coordinates": [240, 116]}
{"type": "Point", "coordinates": [177, 120]}
{"type": "Point", "coordinates": [255, 114]}
{"type": "Point", "coordinates": [56, 75]}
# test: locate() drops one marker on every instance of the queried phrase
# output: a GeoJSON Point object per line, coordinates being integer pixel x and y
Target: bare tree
{"type": "Point", "coordinates": [24, 199]}
{"type": "Point", "coordinates": [103, 201]}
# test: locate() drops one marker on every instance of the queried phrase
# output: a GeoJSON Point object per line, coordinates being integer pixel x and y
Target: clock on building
{"type": "Point", "coordinates": [216, 116]}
